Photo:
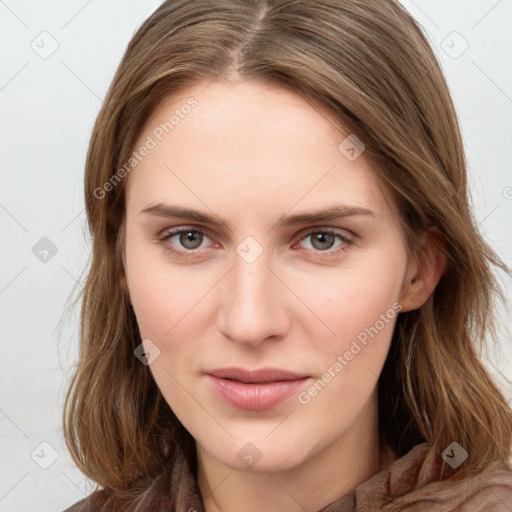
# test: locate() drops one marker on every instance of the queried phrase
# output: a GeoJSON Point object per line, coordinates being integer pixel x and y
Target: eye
{"type": "Point", "coordinates": [188, 238]}
{"type": "Point", "coordinates": [323, 240]}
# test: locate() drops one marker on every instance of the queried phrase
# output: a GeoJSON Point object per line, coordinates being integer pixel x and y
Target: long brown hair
{"type": "Point", "coordinates": [368, 64]}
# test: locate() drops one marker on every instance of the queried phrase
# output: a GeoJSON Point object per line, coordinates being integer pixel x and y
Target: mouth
{"type": "Point", "coordinates": [255, 390]}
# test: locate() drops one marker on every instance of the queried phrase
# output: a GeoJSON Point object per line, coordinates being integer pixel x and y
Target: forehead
{"type": "Point", "coordinates": [254, 144]}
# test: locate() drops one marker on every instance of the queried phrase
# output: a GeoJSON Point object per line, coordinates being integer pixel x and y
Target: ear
{"type": "Point", "coordinates": [424, 270]}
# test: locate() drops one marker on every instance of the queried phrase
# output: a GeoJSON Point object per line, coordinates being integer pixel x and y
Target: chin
{"type": "Point", "coordinates": [260, 457]}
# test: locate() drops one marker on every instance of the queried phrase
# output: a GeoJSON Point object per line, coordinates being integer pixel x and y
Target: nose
{"type": "Point", "coordinates": [252, 302]}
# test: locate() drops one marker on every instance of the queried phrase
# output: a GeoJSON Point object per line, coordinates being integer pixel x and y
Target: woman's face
{"type": "Point", "coordinates": [290, 259]}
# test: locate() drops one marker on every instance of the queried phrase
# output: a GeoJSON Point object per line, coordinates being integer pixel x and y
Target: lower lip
{"type": "Point", "coordinates": [255, 397]}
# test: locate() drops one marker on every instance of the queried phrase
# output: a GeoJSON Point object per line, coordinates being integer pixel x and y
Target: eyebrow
{"type": "Point", "coordinates": [336, 211]}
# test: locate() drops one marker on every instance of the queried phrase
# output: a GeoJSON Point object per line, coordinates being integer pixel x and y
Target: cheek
{"type": "Point", "coordinates": [350, 362]}
{"type": "Point", "coordinates": [161, 304]}
{"type": "Point", "coordinates": [171, 316]}
{"type": "Point", "coordinates": [355, 298]}
{"type": "Point", "coordinates": [167, 301]}
{"type": "Point", "coordinates": [360, 309]}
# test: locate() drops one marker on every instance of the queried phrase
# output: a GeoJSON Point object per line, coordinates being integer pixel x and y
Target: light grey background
{"type": "Point", "coordinates": [48, 106]}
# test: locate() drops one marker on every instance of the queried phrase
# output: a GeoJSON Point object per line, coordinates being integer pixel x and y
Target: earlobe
{"type": "Point", "coordinates": [424, 271]}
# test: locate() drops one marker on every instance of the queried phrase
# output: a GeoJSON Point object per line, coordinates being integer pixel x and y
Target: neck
{"type": "Point", "coordinates": [318, 480]}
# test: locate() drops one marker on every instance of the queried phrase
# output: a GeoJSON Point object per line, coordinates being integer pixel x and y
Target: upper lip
{"type": "Point", "coordinates": [260, 375]}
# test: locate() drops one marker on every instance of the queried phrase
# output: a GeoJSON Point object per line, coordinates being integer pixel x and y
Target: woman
{"type": "Point", "coordinates": [287, 285]}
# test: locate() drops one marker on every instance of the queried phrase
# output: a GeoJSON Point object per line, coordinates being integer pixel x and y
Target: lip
{"type": "Point", "coordinates": [255, 390]}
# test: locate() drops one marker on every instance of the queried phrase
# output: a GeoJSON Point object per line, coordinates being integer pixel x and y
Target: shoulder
{"type": "Point", "coordinates": [165, 492]}
{"type": "Point", "coordinates": [489, 490]}
{"type": "Point", "coordinates": [417, 481]}
{"type": "Point", "coordinates": [92, 503]}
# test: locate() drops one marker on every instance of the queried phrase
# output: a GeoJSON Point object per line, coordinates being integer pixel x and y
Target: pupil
{"type": "Point", "coordinates": [322, 239]}
{"type": "Point", "coordinates": [190, 237]}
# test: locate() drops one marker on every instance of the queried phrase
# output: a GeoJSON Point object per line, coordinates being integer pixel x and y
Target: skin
{"type": "Point", "coordinates": [251, 153]}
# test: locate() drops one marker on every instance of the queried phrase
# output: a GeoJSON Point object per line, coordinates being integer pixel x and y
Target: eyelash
{"type": "Point", "coordinates": [346, 245]}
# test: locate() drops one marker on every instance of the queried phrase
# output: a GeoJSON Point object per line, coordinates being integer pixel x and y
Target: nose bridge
{"type": "Point", "coordinates": [251, 277]}
{"type": "Point", "coordinates": [251, 309]}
